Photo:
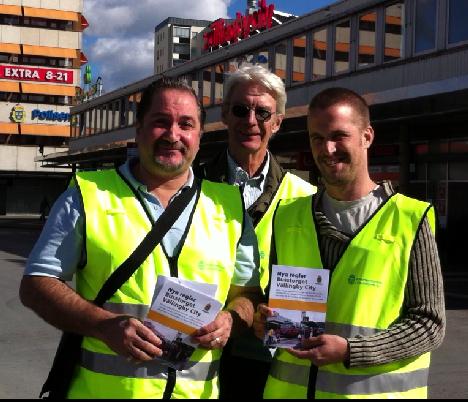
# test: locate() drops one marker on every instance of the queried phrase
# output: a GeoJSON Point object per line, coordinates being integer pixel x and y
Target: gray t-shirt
{"type": "Point", "coordinates": [348, 216]}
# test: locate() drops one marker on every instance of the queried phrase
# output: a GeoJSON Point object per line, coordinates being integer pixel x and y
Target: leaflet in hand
{"type": "Point", "coordinates": [298, 297]}
{"type": "Point", "coordinates": [178, 310]}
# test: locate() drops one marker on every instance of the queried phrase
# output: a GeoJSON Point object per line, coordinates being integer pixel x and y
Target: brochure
{"type": "Point", "coordinates": [180, 308]}
{"type": "Point", "coordinates": [298, 297]}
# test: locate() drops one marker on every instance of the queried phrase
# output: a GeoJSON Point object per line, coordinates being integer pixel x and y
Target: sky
{"type": "Point", "coordinates": [119, 42]}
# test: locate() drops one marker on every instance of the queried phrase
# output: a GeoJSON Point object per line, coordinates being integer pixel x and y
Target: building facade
{"type": "Point", "coordinates": [40, 60]}
{"type": "Point", "coordinates": [414, 77]}
{"type": "Point", "coordinates": [174, 42]}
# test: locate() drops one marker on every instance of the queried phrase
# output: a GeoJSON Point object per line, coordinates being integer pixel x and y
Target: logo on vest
{"type": "Point", "coordinates": [354, 280]}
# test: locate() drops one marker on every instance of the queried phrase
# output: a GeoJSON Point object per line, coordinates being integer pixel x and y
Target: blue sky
{"type": "Point", "coordinates": [119, 42]}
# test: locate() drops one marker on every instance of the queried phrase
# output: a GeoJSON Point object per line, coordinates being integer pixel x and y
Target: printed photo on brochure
{"type": "Point", "coordinates": [298, 298]}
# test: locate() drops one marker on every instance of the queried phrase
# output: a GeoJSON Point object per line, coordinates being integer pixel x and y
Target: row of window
{"type": "Point", "coordinates": [374, 37]}
{"type": "Point", "coordinates": [15, 97]}
{"type": "Point", "coordinates": [35, 60]}
{"type": "Point", "coordinates": [34, 22]}
{"type": "Point", "coordinates": [117, 114]}
{"type": "Point", "coordinates": [382, 34]}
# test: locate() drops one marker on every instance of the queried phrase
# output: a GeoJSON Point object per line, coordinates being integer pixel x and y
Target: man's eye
{"type": "Point", "coordinates": [186, 124]}
{"type": "Point", "coordinates": [159, 123]}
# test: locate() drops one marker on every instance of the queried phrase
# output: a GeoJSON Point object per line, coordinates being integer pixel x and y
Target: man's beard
{"type": "Point", "coordinates": [160, 161]}
{"type": "Point", "coordinates": [168, 167]}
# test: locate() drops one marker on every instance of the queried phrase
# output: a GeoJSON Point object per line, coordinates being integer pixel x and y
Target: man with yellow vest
{"type": "Point", "coordinates": [385, 310]}
{"type": "Point", "coordinates": [253, 110]}
{"type": "Point", "coordinates": [98, 222]}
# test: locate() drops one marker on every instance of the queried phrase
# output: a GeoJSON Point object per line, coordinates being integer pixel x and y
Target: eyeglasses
{"type": "Point", "coordinates": [242, 111]}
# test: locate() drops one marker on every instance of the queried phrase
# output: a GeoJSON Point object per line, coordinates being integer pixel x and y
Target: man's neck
{"type": "Point", "coordinates": [352, 191]}
{"type": "Point", "coordinates": [250, 163]}
{"type": "Point", "coordinates": [163, 187]}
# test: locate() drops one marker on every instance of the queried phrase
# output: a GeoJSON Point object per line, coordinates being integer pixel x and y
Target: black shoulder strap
{"type": "Point", "coordinates": [148, 244]}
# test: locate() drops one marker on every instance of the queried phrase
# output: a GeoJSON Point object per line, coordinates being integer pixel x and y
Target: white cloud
{"type": "Point", "coordinates": [119, 41]}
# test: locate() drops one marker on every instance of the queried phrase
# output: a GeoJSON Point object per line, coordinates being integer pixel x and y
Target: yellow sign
{"type": "Point", "coordinates": [18, 114]}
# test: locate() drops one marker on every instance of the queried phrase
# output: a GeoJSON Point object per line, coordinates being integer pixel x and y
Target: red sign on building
{"type": "Point", "coordinates": [25, 73]}
{"type": "Point", "coordinates": [221, 33]}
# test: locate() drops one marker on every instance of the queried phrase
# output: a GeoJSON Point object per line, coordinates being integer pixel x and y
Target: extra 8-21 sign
{"type": "Point", "coordinates": [25, 73]}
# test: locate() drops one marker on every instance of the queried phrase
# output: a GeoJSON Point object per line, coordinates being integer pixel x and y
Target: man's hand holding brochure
{"type": "Point", "coordinates": [180, 308]}
{"type": "Point", "coordinates": [296, 308]}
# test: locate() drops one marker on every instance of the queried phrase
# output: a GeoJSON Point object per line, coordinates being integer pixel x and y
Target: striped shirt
{"type": "Point", "coordinates": [252, 187]}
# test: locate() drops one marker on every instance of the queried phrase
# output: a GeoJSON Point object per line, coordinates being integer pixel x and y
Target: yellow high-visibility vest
{"type": "Point", "coordinates": [116, 223]}
{"type": "Point", "coordinates": [291, 187]}
{"type": "Point", "coordinates": [365, 297]}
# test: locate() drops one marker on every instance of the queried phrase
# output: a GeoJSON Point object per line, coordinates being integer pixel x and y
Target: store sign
{"type": "Point", "coordinates": [25, 73]}
{"type": "Point", "coordinates": [50, 115]}
{"type": "Point", "coordinates": [221, 33]}
{"type": "Point", "coordinates": [17, 115]}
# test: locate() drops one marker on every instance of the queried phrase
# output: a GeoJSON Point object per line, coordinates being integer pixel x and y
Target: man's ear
{"type": "Point", "coordinates": [277, 123]}
{"type": "Point", "coordinates": [368, 137]}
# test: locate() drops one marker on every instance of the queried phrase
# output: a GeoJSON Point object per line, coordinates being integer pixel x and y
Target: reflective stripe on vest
{"type": "Point", "coordinates": [366, 293]}
{"type": "Point", "coordinates": [373, 384]}
{"type": "Point", "coordinates": [116, 223]}
{"type": "Point", "coordinates": [292, 373]}
{"type": "Point", "coordinates": [120, 366]}
{"type": "Point", "coordinates": [291, 187]}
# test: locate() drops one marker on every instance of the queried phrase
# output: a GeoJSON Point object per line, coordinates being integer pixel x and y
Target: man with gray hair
{"type": "Point", "coordinates": [253, 109]}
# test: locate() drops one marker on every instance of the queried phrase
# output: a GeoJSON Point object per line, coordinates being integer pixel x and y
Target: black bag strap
{"type": "Point", "coordinates": [148, 244]}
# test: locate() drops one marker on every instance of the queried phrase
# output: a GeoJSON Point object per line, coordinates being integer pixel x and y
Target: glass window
{"type": "Point", "coordinates": [194, 79]}
{"type": "Point", "coordinates": [207, 86]}
{"type": "Point", "coordinates": [367, 32]}
{"type": "Point", "coordinates": [299, 58]}
{"type": "Point", "coordinates": [132, 105]}
{"type": "Point", "coordinates": [437, 171]}
{"type": "Point", "coordinates": [88, 122]}
{"type": "Point", "coordinates": [280, 60]}
{"type": "Point", "coordinates": [394, 38]}
{"type": "Point", "coordinates": [319, 54]}
{"type": "Point", "coordinates": [458, 28]}
{"type": "Point", "coordinates": [458, 171]}
{"type": "Point", "coordinates": [342, 42]}
{"type": "Point", "coordinates": [116, 115]}
{"type": "Point", "coordinates": [219, 80]}
{"type": "Point", "coordinates": [182, 32]}
{"type": "Point", "coordinates": [425, 25]}
{"type": "Point", "coordinates": [75, 123]}
{"type": "Point", "coordinates": [182, 48]}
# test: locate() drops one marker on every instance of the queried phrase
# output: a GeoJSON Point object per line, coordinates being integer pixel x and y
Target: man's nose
{"type": "Point", "coordinates": [251, 117]}
{"type": "Point", "coordinates": [173, 131]}
{"type": "Point", "coordinates": [330, 146]}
